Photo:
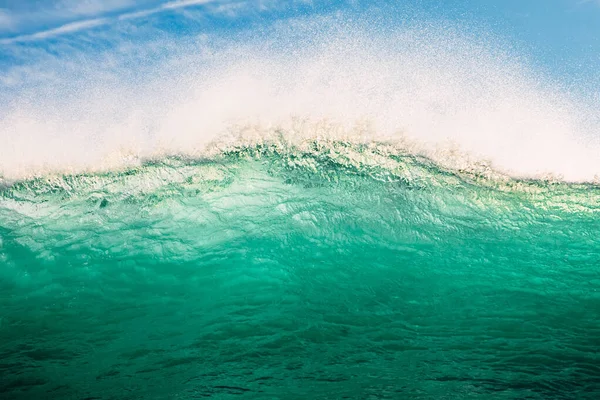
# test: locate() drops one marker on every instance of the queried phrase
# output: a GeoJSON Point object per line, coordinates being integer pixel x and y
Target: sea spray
{"type": "Point", "coordinates": [435, 84]}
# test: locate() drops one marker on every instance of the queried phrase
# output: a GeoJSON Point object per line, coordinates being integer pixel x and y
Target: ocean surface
{"type": "Point", "coordinates": [327, 270]}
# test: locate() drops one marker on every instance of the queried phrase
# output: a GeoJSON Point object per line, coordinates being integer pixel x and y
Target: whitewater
{"type": "Point", "coordinates": [318, 209]}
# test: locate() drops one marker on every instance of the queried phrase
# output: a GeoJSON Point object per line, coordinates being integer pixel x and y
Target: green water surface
{"type": "Point", "coordinates": [339, 272]}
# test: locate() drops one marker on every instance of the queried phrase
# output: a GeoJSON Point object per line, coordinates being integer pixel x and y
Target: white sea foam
{"type": "Point", "coordinates": [445, 91]}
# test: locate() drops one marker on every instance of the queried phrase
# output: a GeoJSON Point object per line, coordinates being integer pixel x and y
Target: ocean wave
{"type": "Point", "coordinates": [307, 163]}
{"type": "Point", "coordinates": [460, 99]}
{"type": "Point", "coordinates": [322, 210]}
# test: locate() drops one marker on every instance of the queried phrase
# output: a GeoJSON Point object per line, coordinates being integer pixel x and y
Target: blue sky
{"type": "Point", "coordinates": [563, 36]}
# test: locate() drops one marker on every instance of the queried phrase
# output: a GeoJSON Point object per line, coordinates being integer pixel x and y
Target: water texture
{"type": "Point", "coordinates": [327, 270]}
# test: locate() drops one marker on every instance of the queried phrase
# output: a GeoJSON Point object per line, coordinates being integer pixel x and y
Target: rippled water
{"type": "Point", "coordinates": [340, 272]}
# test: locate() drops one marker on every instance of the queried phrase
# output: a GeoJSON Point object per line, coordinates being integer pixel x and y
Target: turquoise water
{"type": "Point", "coordinates": [333, 271]}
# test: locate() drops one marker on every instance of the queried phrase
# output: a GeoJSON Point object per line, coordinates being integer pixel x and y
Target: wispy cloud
{"type": "Point", "coordinates": [116, 41]}
{"type": "Point", "coordinates": [183, 3]}
{"type": "Point", "coordinates": [111, 12]}
{"type": "Point", "coordinates": [229, 9]}
{"type": "Point", "coordinates": [173, 5]}
{"type": "Point", "coordinates": [94, 7]}
{"type": "Point", "coordinates": [27, 17]}
{"type": "Point", "coordinates": [61, 30]}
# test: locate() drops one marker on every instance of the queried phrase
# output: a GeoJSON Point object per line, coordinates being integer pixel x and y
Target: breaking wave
{"type": "Point", "coordinates": [457, 97]}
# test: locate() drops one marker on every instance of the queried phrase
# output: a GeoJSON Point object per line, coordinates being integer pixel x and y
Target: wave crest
{"type": "Point", "coordinates": [460, 99]}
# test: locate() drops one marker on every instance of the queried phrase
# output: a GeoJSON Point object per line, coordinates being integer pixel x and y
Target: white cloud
{"type": "Point", "coordinates": [92, 7]}
{"type": "Point", "coordinates": [184, 3]}
{"type": "Point", "coordinates": [172, 5]}
{"type": "Point", "coordinates": [70, 8]}
{"type": "Point", "coordinates": [23, 16]}
{"type": "Point", "coordinates": [61, 30]}
{"type": "Point", "coordinates": [103, 12]}
{"type": "Point", "coordinates": [138, 14]}
{"type": "Point", "coordinates": [231, 10]}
